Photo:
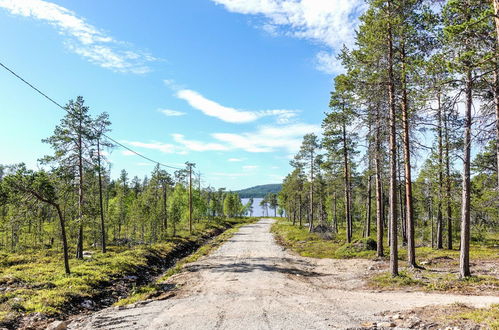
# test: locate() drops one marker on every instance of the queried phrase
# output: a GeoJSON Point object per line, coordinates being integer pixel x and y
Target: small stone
{"type": "Point", "coordinates": [57, 325]}
{"type": "Point", "coordinates": [88, 304]}
{"type": "Point", "coordinates": [386, 325]}
{"type": "Point", "coordinates": [397, 317]}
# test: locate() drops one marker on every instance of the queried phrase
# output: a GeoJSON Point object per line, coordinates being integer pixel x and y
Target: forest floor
{"type": "Point", "coordinates": [252, 282]}
{"type": "Point", "coordinates": [34, 289]}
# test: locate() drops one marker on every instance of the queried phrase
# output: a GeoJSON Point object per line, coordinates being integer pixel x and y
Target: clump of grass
{"type": "Point", "coordinates": [487, 317]}
{"type": "Point", "coordinates": [386, 280]}
{"type": "Point", "coordinates": [360, 248]}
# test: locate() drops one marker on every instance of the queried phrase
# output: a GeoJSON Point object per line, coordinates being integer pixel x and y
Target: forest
{"type": "Point", "coordinates": [409, 153]}
{"type": "Point", "coordinates": [73, 203]}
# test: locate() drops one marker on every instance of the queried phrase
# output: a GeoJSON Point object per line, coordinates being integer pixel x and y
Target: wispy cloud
{"type": "Point", "coordinates": [269, 138]}
{"type": "Point", "coordinates": [84, 39]}
{"type": "Point", "coordinates": [172, 113]}
{"type": "Point", "coordinates": [160, 146]}
{"type": "Point", "coordinates": [127, 153]}
{"type": "Point", "coordinates": [235, 159]}
{"type": "Point", "coordinates": [228, 114]}
{"type": "Point", "coordinates": [198, 145]}
{"type": "Point", "coordinates": [330, 23]}
{"type": "Point", "coordinates": [250, 167]}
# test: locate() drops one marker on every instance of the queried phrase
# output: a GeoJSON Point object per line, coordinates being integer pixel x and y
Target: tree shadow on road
{"type": "Point", "coordinates": [278, 265]}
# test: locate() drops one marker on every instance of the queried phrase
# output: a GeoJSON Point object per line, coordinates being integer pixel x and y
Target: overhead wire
{"type": "Point", "coordinates": [103, 134]}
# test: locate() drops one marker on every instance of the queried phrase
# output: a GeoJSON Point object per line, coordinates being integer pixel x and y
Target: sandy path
{"type": "Point", "coordinates": [250, 282]}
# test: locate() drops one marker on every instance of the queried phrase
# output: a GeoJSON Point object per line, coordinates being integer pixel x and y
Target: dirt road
{"type": "Point", "coordinates": [252, 283]}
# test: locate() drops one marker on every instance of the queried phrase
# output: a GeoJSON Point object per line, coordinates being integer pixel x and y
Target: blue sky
{"type": "Point", "coordinates": [231, 85]}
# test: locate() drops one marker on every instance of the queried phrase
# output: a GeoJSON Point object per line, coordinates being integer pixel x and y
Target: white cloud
{"type": "Point", "coordinates": [83, 38]}
{"type": "Point", "coordinates": [172, 113]}
{"type": "Point", "coordinates": [228, 114]}
{"type": "Point", "coordinates": [163, 147]}
{"type": "Point", "coordinates": [250, 167]}
{"type": "Point", "coordinates": [235, 159]}
{"type": "Point", "coordinates": [198, 145]}
{"type": "Point", "coordinates": [331, 23]}
{"type": "Point", "coordinates": [127, 153]}
{"type": "Point", "coordinates": [269, 138]}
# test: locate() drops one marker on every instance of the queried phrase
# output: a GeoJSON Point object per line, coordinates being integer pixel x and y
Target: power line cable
{"type": "Point", "coordinates": [63, 108]}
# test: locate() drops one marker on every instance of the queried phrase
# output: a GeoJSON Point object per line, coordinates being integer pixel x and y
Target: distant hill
{"type": "Point", "coordinates": [259, 191]}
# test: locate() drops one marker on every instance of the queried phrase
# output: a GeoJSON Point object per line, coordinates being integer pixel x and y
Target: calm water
{"type": "Point", "coordinates": [258, 211]}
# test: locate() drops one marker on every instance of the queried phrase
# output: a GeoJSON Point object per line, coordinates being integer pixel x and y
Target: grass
{"type": "Point", "coordinates": [35, 281]}
{"type": "Point", "coordinates": [441, 265]}
{"type": "Point", "coordinates": [487, 317]}
{"type": "Point", "coordinates": [314, 245]}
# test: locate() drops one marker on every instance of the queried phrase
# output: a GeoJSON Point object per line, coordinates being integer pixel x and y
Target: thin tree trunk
{"type": "Point", "coordinates": [393, 159]}
{"type": "Point", "coordinates": [409, 211]}
{"type": "Point", "coordinates": [311, 211]}
{"type": "Point", "coordinates": [496, 85]}
{"type": "Point", "coordinates": [64, 239]}
{"type": "Point", "coordinates": [190, 199]}
{"type": "Point", "coordinates": [102, 224]}
{"type": "Point", "coordinates": [299, 211]}
{"type": "Point", "coordinates": [496, 106]}
{"type": "Point", "coordinates": [79, 246]}
{"type": "Point", "coordinates": [348, 216]}
{"type": "Point", "coordinates": [379, 191]}
{"type": "Point", "coordinates": [464, 258]}
{"type": "Point", "coordinates": [448, 185]}
{"type": "Point", "coordinates": [440, 176]}
{"type": "Point", "coordinates": [368, 211]}
{"type": "Point", "coordinates": [165, 211]}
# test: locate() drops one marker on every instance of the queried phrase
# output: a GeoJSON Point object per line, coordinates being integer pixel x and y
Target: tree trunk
{"type": "Point", "coordinates": [165, 211]}
{"type": "Point", "coordinates": [79, 246]}
{"type": "Point", "coordinates": [496, 106]}
{"type": "Point", "coordinates": [464, 258]}
{"type": "Point", "coordinates": [102, 225]}
{"type": "Point", "coordinates": [448, 184]}
{"type": "Point", "coordinates": [63, 238]}
{"type": "Point", "coordinates": [190, 199]}
{"type": "Point", "coordinates": [393, 160]}
{"type": "Point", "coordinates": [368, 206]}
{"type": "Point", "coordinates": [409, 211]}
{"type": "Point", "coordinates": [496, 85]}
{"type": "Point", "coordinates": [440, 175]}
{"type": "Point", "coordinates": [299, 211]}
{"type": "Point", "coordinates": [311, 211]}
{"type": "Point", "coordinates": [379, 190]}
{"type": "Point", "coordinates": [348, 216]}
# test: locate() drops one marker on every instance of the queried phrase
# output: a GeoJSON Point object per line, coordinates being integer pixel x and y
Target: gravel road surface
{"type": "Point", "coordinates": [251, 282]}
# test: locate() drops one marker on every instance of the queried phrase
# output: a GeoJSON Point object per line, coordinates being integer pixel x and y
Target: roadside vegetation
{"type": "Point", "coordinates": [32, 283]}
{"type": "Point", "coordinates": [437, 270]}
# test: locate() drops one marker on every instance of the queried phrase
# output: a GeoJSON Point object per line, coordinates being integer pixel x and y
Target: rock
{"type": "Point", "coordinates": [87, 254]}
{"type": "Point", "coordinates": [57, 325]}
{"type": "Point", "coordinates": [386, 325]}
{"type": "Point", "coordinates": [397, 317]}
{"type": "Point", "coordinates": [88, 304]}
{"type": "Point", "coordinates": [131, 278]}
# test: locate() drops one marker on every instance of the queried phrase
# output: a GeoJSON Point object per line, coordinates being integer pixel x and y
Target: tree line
{"type": "Point", "coordinates": [72, 201]}
{"type": "Point", "coordinates": [421, 85]}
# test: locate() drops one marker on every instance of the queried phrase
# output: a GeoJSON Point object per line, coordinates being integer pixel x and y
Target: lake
{"type": "Point", "coordinates": [258, 211]}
